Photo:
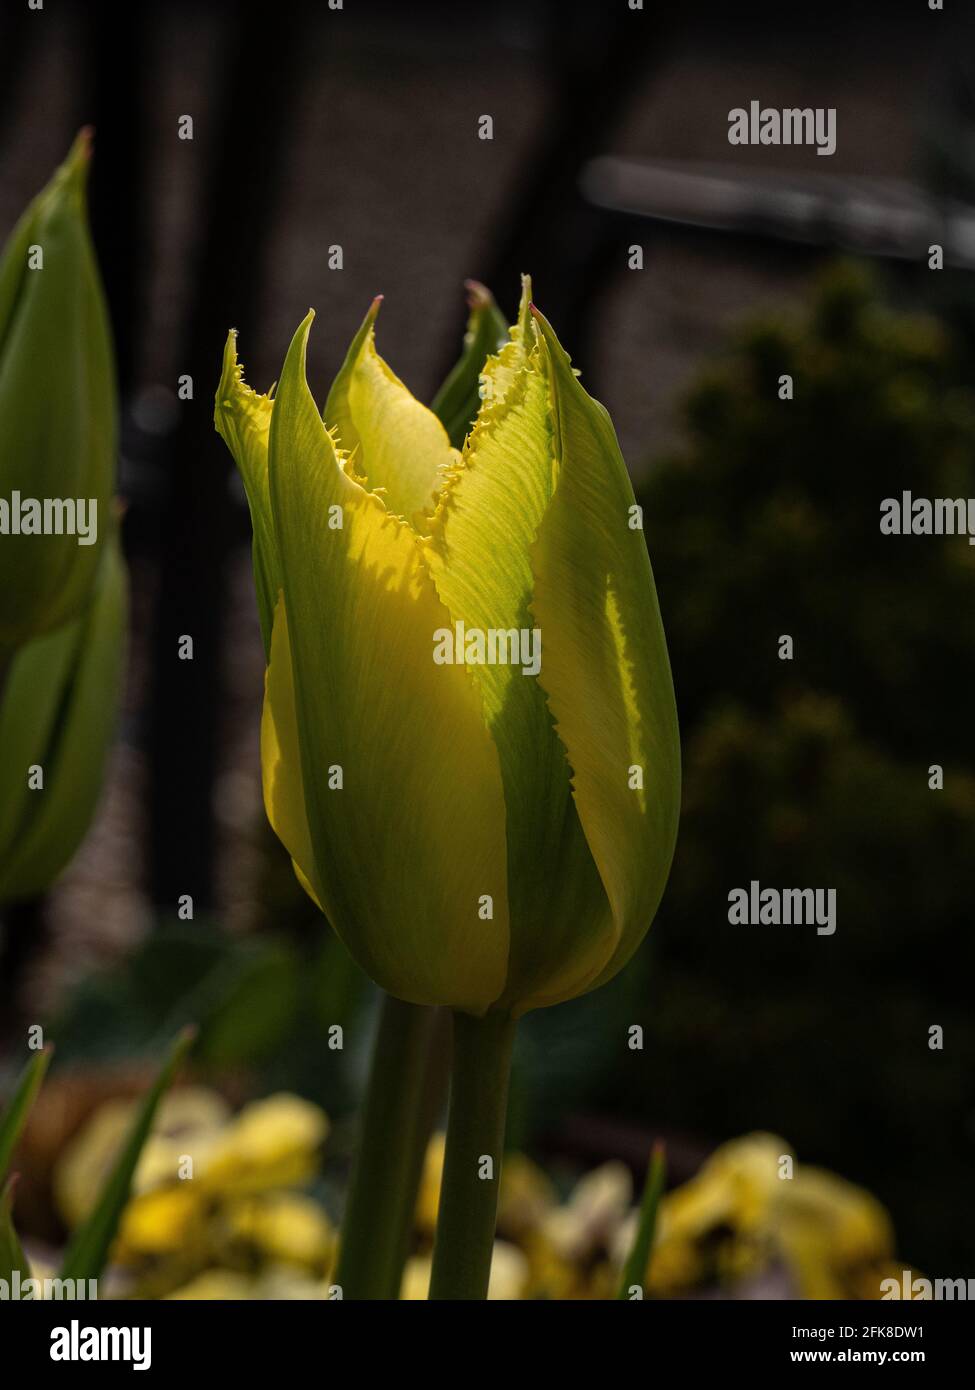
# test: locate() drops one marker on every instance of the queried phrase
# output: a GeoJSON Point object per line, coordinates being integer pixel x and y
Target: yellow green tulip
{"type": "Point", "coordinates": [478, 837]}
{"type": "Point", "coordinates": [469, 742]}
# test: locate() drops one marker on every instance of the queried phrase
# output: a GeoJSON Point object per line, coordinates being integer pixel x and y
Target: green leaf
{"type": "Point", "coordinates": [88, 1251]}
{"type": "Point", "coordinates": [12, 1257]}
{"type": "Point", "coordinates": [458, 400]}
{"type": "Point", "coordinates": [635, 1269]}
{"type": "Point", "coordinates": [15, 1115]}
{"type": "Point", "coordinates": [59, 710]}
{"type": "Point", "coordinates": [57, 401]}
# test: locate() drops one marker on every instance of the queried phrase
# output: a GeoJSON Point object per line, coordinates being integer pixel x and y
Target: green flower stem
{"type": "Point", "coordinates": [432, 1102]}
{"type": "Point", "coordinates": [475, 1131]}
{"type": "Point", "coordinates": [388, 1163]}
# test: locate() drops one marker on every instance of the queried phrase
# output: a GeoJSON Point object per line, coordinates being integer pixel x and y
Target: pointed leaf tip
{"type": "Point", "coordinates": [638, 1260]}
{"type": "Point", "coordinates": [83, 147]}
{"type": "Point", "coordinates": [78, 161]}
{"type": "Point", "coordinates": [14, 1116]}
{"type": "Point", "coordinates": [299, 342]}
{"type": "Point", "coordinates": [478, 295]}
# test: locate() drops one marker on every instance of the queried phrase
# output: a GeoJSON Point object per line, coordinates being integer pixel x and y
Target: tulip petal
{"type": "Point", "coordinates": [562, 931]}
{"type": "Point", "coordinates": [411, 845]}
{"type": "Point", "coordinates": [243, 421]}
{"type": "Point", "coordinates": [397, 445]}
{"type": "Point", "coordinates": [606, 670]}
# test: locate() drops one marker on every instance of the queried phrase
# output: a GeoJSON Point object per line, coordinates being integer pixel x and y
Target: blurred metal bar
{"type": "Point", "coordinates": [878, 217]}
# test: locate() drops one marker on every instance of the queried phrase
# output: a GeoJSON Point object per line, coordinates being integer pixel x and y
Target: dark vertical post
{"type": "Point", "coordinates": [248, 122]}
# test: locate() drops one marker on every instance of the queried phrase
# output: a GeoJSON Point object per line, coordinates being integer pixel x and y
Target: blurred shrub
{"type": "Point", "coordinates": [814, 772]}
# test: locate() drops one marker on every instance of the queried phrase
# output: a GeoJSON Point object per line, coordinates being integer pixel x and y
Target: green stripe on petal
{"type": "Point", "coordinates": [562, 931]}
{"type": "Point", "coordinates": [605, 667]}
{"type": "Point", "coordinates": [398, 446]}
{"type": "Point", "coordinates": [409, 846]}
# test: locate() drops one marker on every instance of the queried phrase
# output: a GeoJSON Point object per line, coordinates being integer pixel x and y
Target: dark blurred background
{"type": "Point", "coordinates": [315, 128]}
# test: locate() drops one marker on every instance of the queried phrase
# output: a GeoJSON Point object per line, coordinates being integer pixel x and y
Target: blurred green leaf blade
{"type": "Point", "coordinates": [635, 1268]}
{"type": "Point", "coordinates": [12, 1257]}
{"type": "Point", "coordinates": [14, 1117]}
{"type": "Point", "coordinates": [89, 1248]}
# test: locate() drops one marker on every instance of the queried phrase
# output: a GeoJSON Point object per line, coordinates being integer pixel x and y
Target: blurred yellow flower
{"type": "Point", "coordinates": [230, 1228]}
{"type": "Point", "coordinates": [526, 1195]}
{"type": "Point", "coordinates": [284, 1227]}
{"type": "Point", "coordinates": [830, 1233]}
{"type": "Point", "coordinates": [217, 1284]}
{"type": "Point", "coordinates": [752, 1204]}
{"type": "Point", "coordinates": [199, 1158]}
{"type": "Point", "coordinates": [160, 1223]}
{"type": "Point", "coordinates": [588, 1222]}
{"type": "Point", "coordinates": [273, 1284]}
{"type": "Point", "coordinates": [270, 1143]}
{"type": "Point", "coordinates": [162, 1209]}
{"type": "Point", "coordinates": [428, 1196]}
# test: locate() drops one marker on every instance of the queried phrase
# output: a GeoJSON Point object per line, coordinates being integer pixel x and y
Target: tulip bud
{"type": "Point", "coordinates": [57, 410]}
{"type": "Point", "coordinates": [57, 715]}
{"type": "Point", "coordinates": [470, 742]}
